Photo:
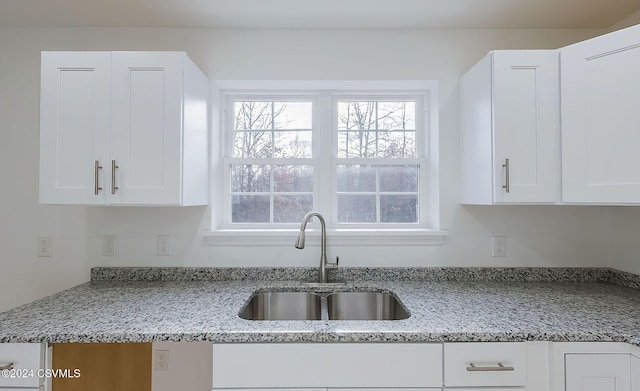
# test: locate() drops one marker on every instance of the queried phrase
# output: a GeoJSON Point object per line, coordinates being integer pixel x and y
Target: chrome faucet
{"type": "Point", "coordinates": [324, 265]}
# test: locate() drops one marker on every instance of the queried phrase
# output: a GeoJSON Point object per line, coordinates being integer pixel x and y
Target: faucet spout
{"type": "Point", "coordinates": [324, 265]}
{"type": "Point", "coordinates": [300, 241]}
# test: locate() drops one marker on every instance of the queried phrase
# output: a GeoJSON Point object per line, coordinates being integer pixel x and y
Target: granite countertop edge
{"type": "Point", "coordinates": [529, 274]}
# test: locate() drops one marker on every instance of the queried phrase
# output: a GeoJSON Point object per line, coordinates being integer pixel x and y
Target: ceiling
{"type": "Point", "coordinates": [317, 13]}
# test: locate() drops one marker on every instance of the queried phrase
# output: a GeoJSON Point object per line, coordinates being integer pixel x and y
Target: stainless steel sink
{"type": "Point", "coordinates": [283, 306]}
{"type": "Point", "coordinates": [277, 305]}
{"type": "Point", "coordinates": [365, 306]}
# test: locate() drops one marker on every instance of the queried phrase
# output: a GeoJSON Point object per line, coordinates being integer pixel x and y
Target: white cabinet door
{"type": "Point", "coordinates": [388, 389]}
{"type": "Point", "coordinates": [23, 360]}
{"type": "Point", "coordinates": [526, 125]}
{"type": "Point", "coordinates": [635, 373]}
{"type": "Point", "coordinates": [509, 110]}
{"type": "Point", "coordinates": [271, 389]}
{"type": "Point", "coordinates": [485, 389]}
{"type": "Point", "coordinates": [459, 358]}
{"type": "Point", "coordinates": [600, 134]}
{"type": "Point", "coordinates": [74, 127]}
{"type": "Point", "coordinates": [146, 127]}
{"type": "Point", "coordinates": [597, 372]}
{"type": "Point", "coordinates": [334, 365]}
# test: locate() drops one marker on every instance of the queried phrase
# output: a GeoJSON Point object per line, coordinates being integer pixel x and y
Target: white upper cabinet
{"type": "Point", "coordinates": [74, 127]}
{"type": "Point", "coordinates": [123, 128]}
{"type": "Point", "coordinates": [509, 129]}
{"type": "Point", "coordinates": [600, 81]}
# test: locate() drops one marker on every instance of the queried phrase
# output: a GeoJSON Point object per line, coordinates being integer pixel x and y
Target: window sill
{"type": "Point", "coordinates": [335, 237]}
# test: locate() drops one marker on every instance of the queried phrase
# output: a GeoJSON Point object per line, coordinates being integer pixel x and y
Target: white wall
{"type": "Point", "coordinates": [537, 236]}
{"type": "Point", "coordinates": [624, 244]}
{"type": "Point", "coordinates": [190, 367]}
{"type": "Point", "coordinates": [630, 20]}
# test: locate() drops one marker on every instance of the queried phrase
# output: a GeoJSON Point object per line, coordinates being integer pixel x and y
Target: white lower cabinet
{"type": "Point", "coordinates": [344, 389]}
{"type": "Point", "coordinates": [20, 363]}
{"type": "Point", "coordinates": [338, 365]}
{"type": "Point", "coordinates": [464, 366]}
{"type": "Point", "coordinates": [597, 372]}
{"type": "Point", "coordinates": [635, 373]}
{"type": "Point", "coordinates": [484, 389]}
{"type": "Point", "coordinates": [595, 367]}
{"type": "Point", "coordinates": [481, 364]}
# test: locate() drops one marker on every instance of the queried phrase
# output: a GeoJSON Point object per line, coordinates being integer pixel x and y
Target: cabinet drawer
{"type": "Point", "coordinates": [341, 365]}
{"type": "Point", "coordinates": [460, 358]}
{"type": "Point", "coordinates": [485, 389]}
{"type": "Point", "coordinates": [25, 357]}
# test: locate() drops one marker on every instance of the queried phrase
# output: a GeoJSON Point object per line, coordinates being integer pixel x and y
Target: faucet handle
{"type": "Point", "coordinates": [333, 265]}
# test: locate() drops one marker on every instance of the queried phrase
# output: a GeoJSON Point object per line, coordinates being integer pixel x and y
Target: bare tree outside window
{"type": "Point", "coordinates": [376, 129]}
{"type": "Point", "coordinates": [377, 193]}
{"type": "Point", "coordinates": [262, 191]}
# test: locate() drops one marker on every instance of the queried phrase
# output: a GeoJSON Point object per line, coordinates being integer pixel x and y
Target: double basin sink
{"type": "Point", "coordinates": [280, 305]}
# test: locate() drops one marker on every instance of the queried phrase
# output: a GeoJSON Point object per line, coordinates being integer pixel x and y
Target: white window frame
{"type": "Point", "coordinates": [427, 232]}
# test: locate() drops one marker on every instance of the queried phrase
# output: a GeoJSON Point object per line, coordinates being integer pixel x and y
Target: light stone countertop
{"type": "Point", "coordinates": [108, 310]}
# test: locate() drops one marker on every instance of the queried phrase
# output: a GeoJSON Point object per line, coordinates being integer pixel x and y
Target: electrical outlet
{"type": "Point", "coordinates": [109, 246]}
{"type": "Point", "coordinates": [162, 360]}
{"type": "Point", "coordinates": [164, 245]}
{"type": "Point", "coordinates": [44, 246]}
{"type": "Point", "coordinates": [499, 246]}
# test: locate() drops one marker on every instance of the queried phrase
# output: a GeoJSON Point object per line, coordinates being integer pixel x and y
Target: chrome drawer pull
{"type": "Point", "coordinates": [500, 368]}
{"type": "Point", "coordinates": [6, 367]}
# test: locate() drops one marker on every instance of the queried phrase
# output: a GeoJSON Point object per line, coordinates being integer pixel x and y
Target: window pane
{"type": "Point", "coordinates": [397, 115]}
{"type": "Point", "coordinates": [357, 144]}
{"type": "Point", "coordinates": [291, 209]}
{"type": "Point", "coordinates": [398, 208]}
{"type": "Point", "coordinates": [252, 144]}
{"type": "Point", "coordinates": [250, 209]}
{"type": "Point", "coordinates": [376, 129]}
{"type": "Point", "coordinates": [292, 115]}
{"type": "Point", "coordinates": [293, 178]}
{"type": "Point", "coordinates": [250, 178]}
{"type": "Point", "coordinates": [399, 178]}
{"type": "Point", "coordinates": [292, 144]}
{"type": "Point", "coordinates": [252, 115]}
{"type": "Point", "coordinates": [356, 115]}
{"type": "Point", "coordinates": [397, 144]}
{"type": "Point", "coordinates": [356, 178]}
{"type": "Point", "coordinates": [356, 208]}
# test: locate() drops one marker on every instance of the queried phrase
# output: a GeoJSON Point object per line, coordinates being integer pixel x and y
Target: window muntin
{"type": "Point", "coordinates": [270, 172]}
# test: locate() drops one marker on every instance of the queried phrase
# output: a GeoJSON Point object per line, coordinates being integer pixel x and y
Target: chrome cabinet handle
{"type": "Point", "coordinates": [6, 367]}
{"type": "Point", "coordinates": [506, 173]}
{"type": "Point", "coordinates": [114, 167]}
{"type": "Point", "coordinates": [500, 368]}
{"type": "Point", "coordinates": [96, 186]}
